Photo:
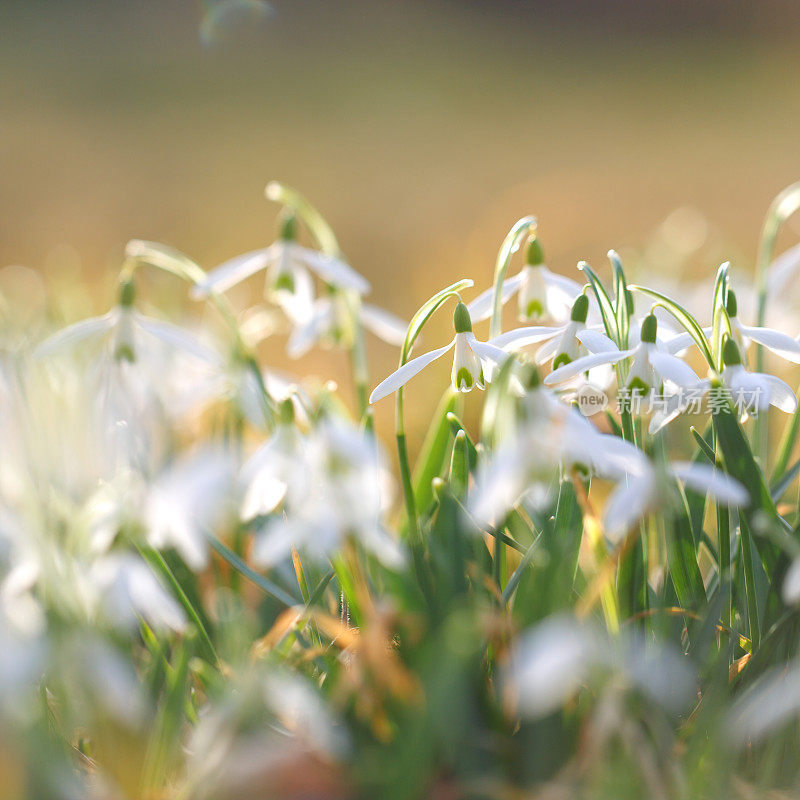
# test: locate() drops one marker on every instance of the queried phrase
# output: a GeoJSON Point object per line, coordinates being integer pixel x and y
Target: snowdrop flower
{"type": "Point", "coordinates": [186, 501]}
{"type": "Point", "coordinates": [140, 366]}
{"type": "Point", "coordinates": [272, 468]}
{"type": "Point", "coordinates": [650, 369]}
{"type": "Point", "coordinates": [753, 391]}
{"type": "Point", "coordinates": [779, 343]}
{"type": "Point", "coordinates": [542, 294]}
{"type": "Point", "coordinates": [775, 341]}
{"type": "Point", "coordinates": [330, 320]}
{"type": "Point", "coordinates": [565, 343]}
{"type": "Point", "coordinates": [551, 662]}
{"type": "Point", "coordinates": [645, 490]}
{"type": "Point", "coordinates": [289, 269]}
{"type": "Point", "coordinates": [555, 437]}
{"type": "Point", "coordinates": [469, 358]}
{"type": "Point", "coordinates": [340, 489]}
{"type": "Point", "coordinates": [127, 589]}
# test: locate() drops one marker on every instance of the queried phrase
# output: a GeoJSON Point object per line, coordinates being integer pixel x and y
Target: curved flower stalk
{"type": "Point", "coordinates": [331, 322]}
{"type": "Point", "coordinates": [651, 368]}
{"type": "Point", "coordinates": [474, 361]}
{"type": "Point", "coordinates": [646, 490]}
{"type": "Point", "coordinates": [289, 267]}
{"type": "Point", "coordinates": [541, 293]}
{"type": "Point", "coordinates": [339, 489]}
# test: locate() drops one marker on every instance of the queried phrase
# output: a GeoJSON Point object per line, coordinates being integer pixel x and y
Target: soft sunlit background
{"type": "Point", "coordinates": [422, 130]}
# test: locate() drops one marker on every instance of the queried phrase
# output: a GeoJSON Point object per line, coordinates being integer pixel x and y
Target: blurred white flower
{"type": "Point", "coordinates": [555, 437]}
{"type": "Point", "coordinates": [339, 488]}
{"type": "Point", "coordinates": [187, 501]}
{"type": "Point", "coordinates": [127, 589]}
{"type": "Point", "coordinates": [551, 662]}
{"type": "Point", "coordinates": [330, 320]}
{"type": "Point", "coordinates": [542, 294]}
{"type": "Point", "coordinates": [645, 489]}
{"type": "Point", "coordinates": [289, 274]}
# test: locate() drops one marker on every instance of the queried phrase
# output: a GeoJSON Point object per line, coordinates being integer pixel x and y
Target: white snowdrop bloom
{"type": "Point", "coordinates": [268, 473]}
{"type": "Point", "coordinates": [474, 362]}
{"type": "Point", "coordinates": [140, 374]}
{"type": "Point", "coordinates": [340, 489]}
{"type": "Point", "coordinates": [127, 589]}
{"type": "Point", "coordinates": [187, 501]}
{"type": "Point", "coordinates": [555, 437]}
{"type": "Point", "coordinates": [548, 665]}
{"type": "Point", "coordinates": [330, 321]}
{"type": "Point", "coordinates": [562, 344]}
{"type": "Point", "coordinates": [651, 368]}
{"type": "Point", "coordinates": [773, 340]}
{"type": "Point", "coordinates": [289, 269]}
{"type": "Point", "coordinates": [541, 294]}
{"type": "Point", "coordinates": [645, 489]}
{"type": "Point", "coordinates": [752, 392]}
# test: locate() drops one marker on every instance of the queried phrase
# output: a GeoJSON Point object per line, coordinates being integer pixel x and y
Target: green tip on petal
{"type": "Point", "coordinates": [125, 353]}
{"type": "Point", "coordinates": [731, 305]}
{"type": "Point", "coordinates": [534, 256]}
{"type": "Point", "coordinates": [464, 380]}
{"type": "Point", "coordinates": [127, 293]}
{"type": "Point", "coordinates": [649, 328]}
{"type": "Point", "coordinates": [284, 281]}
{"type": "Point", "coordinates": [560, 360]}
{"type": "Point", "coordinates": [534, 310]}
{"type": "Point", "coordinates": [461, 319]}
{"type": "Point", "coordinates": [287, 225]}
{"type": "Point", "coordinates": [638, 387]}
{"type": "Point", "coordinates": [286, 414]}
{"type": "Point", "coordinates": [730, 353]}
{"type": "Point", "coordinates": [580, 309]}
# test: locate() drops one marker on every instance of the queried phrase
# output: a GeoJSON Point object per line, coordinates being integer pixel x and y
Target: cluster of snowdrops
{"type": "Point", "coordinates": [215, 581]}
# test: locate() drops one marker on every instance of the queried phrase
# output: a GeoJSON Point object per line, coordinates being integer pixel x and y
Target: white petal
{"type": "Point", "coordinates": [481, 307]}
{"type": "Point", "coordinates": [304, 336]}
{"type": "Point", "coordinates": [384, 325]}
{"type": "Point", "coordinates": [65, 339]}
{"type": "Point", "coordinates": [177, 338]}
{"type": "Point", "coordinates": [628, 502]}
{"type": "Point", "coordinates": [332, 270]}
{"type": "Point", "coordinates": [682, 341]}
{"type": "Point", "coordinates": [229, 273]}
{"type": "Point", "coordinates": [586, 363]}
{"type": "Point", "coordinates": [779, 343]}
{"type": "Point", "coordinates": [401, 376]}
{"type": "Point", "coordinates": [780, 394]}
{"type": "Point", "coordinates": [546, 352]}
{"type": "Point", "coordinates": [704, 478]}
{"type": "Point", "coordinates": [570, 287]}
{"type": "Point", "coordinates": [595, 342]}
{"type": "Point", "coordinates": [299, 304]}
{"type": "Point", "coordinates": [487, 351]}
{"type": "Point", "coordinates": [519, 337]}
{"type": "Point", "coordinates": [673, 369]}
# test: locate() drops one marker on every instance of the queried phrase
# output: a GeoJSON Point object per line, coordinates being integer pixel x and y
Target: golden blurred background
{"type": "Point", "coordinates": [422, 130]}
